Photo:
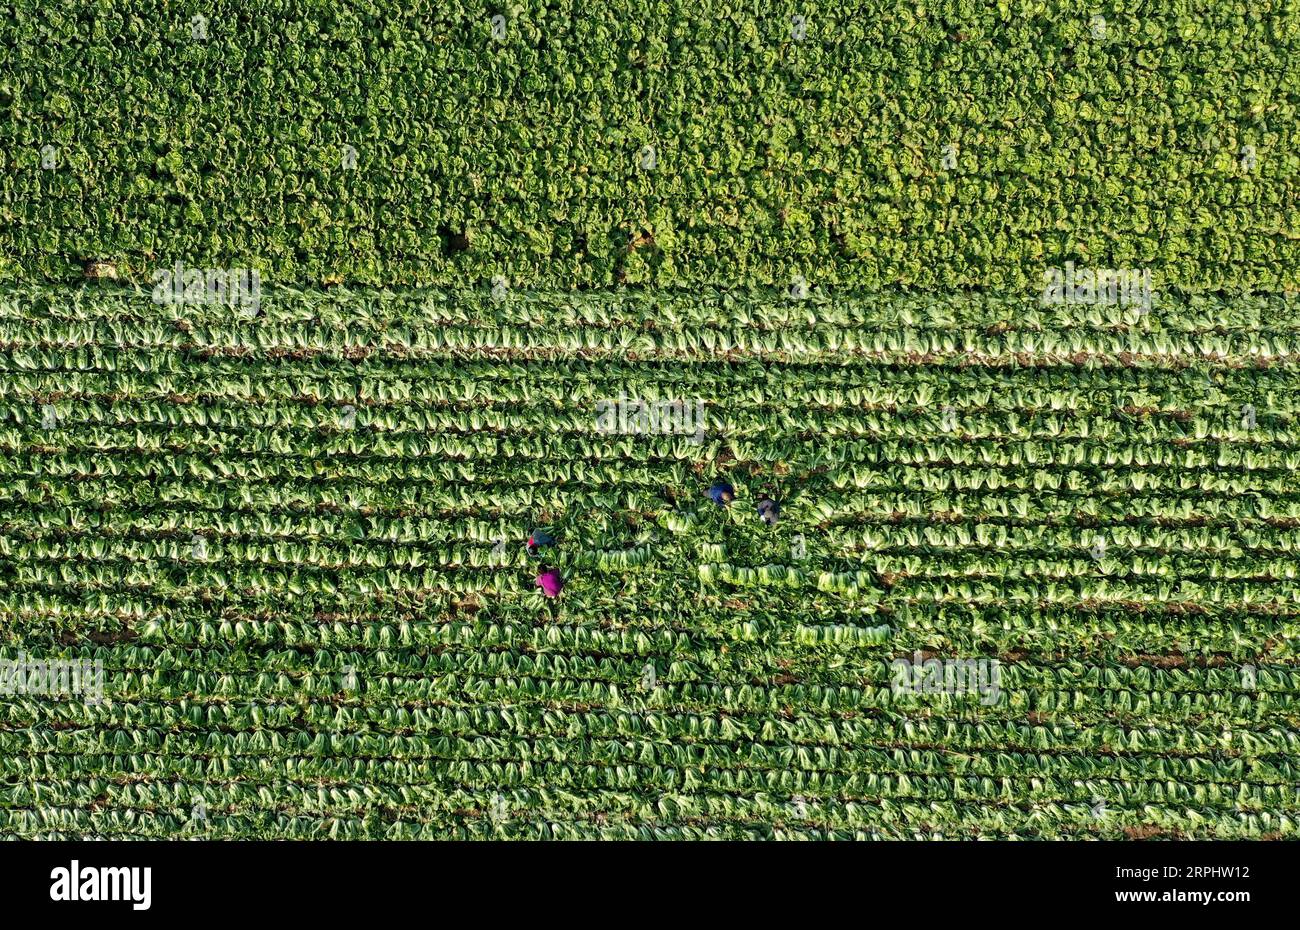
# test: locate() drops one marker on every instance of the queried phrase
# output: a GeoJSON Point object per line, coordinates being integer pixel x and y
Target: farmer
{"type": "Point", "coordinates": [537, 540]}
{"type": "Point", "coordinates": [768, 511]}
{"type": "Point", "coordinates": [722, 493]}
{"type": "Point", "coordinates": [550, 582]}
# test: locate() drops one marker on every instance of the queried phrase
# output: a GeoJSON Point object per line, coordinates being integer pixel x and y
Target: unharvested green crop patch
{"type": "Point", "coordinates": [1034, 572]}
{"type": "Point", "coordinates": [861, 146]}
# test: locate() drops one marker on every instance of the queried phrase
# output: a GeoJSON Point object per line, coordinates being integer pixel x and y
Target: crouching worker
{"type": "Point", "coordinates": [537, 540]}
{"type": "Point", "coordinates": [550, 582]}
{"type": "Point", "coordinates": [722, 493]}
{"type": "Point", "coordinates": [768, 511]}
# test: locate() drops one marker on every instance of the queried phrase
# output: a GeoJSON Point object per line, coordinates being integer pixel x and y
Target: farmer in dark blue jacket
{"type": "Point", "coordinates": [537, 540]}
{"type": "Point", "coordinates": [722, 493]}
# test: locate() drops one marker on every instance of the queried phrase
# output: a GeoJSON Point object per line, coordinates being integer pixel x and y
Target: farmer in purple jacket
{"type": "Point", "coordinates": [550, 582]}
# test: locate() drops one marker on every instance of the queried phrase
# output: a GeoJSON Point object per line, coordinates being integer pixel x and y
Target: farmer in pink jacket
{"type": "Point", "coordinates": [550, 582]}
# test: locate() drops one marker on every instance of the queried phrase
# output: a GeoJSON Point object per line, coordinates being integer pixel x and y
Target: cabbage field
{"type": "Point", "coordinates": [296, 545]}
{"type": "Point", "coordinates": [864, 144]}
{"type": "Point", "coordinates": [546, 420]}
